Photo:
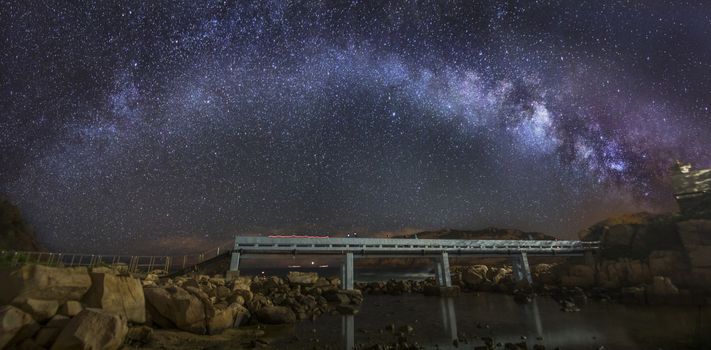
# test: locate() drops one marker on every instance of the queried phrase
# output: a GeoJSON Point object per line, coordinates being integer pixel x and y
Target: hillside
{"type": "Point", "coordinates": [487, 233]}
{"type": "Point", "coordinates": [446, 233]}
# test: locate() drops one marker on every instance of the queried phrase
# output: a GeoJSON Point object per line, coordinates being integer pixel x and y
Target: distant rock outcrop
{"type": "Point", "coordinates": [15, 234]}
{"type": "Point", "coordinates": [487, 233]}
{"type": "Point", "coordinates": [639, 248]}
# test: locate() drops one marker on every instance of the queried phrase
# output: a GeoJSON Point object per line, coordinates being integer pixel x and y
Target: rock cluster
{"type": "Point", "coordinates": [208, 305]}
{"type": "Point", "coordinates": [484, 278]}
{"type": "Point", "coordinates": [395, 287]}
{"type": "Point", "coordinates": [399, 287]}
{"type": "Point", "coordinates": [100, 308]}
{"type": "Point", "coordinates": [464, 278]}
{"type": "Point", "coordinates": [67, 308]}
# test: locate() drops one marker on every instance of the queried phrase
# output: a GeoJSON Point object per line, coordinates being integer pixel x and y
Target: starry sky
{"type": "Point", "coordinates": [164, 125]}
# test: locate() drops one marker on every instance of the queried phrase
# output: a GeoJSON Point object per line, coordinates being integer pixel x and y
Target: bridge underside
{"type": "Point", "coordinates": [437, 250]}
{"type": "Point", "coordinates": [519, 262]}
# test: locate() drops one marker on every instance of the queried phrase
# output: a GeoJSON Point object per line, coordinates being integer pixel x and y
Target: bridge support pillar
{"type": "Point", "coordinates": [442, 273]}
{"type": "Point", "coordinates": [521, 269]}
{"type": "Point", "coordinates": [234, 265]}
{"type": "Point", "coordinates": [347, 272]}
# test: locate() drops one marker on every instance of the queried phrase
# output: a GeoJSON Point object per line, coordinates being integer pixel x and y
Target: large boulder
{"type": "Point", "coordinates": [662, 287]}
{"type": "Point", "coordinates": [257, 302]}
{"type": "Point", "coordinates": [696, 237]}
{"type": "Point", "coordinates": [267, 285]}
{"type": "Point", "coordinates": [499, 275]}
{"type": "Point", "coordinates": [15, 325]}
{"type": "Point", "coordinates": [175, 307]}
{"type": "Point", "coordinates": [666, 262]}
{"type": "Point", "coordinates": [579, 276]}
{"type": "Point", "coordinates": [41, 310]}
{"type": "Point", "coordinates": [618, 235]}
{"type": "Point", "coordinates": [545, 273]}
{"type": "Point", "coordinates": [302, 278]}
{"type": "Point", "coordinates": [637, 271]}
{"type": "Point", "coordinates": [137, 337]}
{"type": "Point", "coordinates": [207, 301]}
{"type": "Point", "coordinates": [93, 329]}
{"type": "Point", "coordinates": [121, 295]}
{"type": "Point", "coordinates": [44, 283]}
{"type": "Point", "coordinates": [228, 317]}
{"type": "Point", "coordinates": [335, 295]}
{"type": "Point", "coordinates": [46, 336]}
{"type": "Point", "coordinates": [241, 289]}
{"type": "Point", "coordinates": [475, 275]}
{"type": "Point", "coordinates": [275, 315]}
{"type": "Point", "coordinates": [241, 283]}
{"type": "Point", "coordinates": [611, 274]}
{"type": "Point", "coordinates": [222, 292]}
{"type": "Point", "coordinates": [663, 291]}
{"type": "Point", "coordinates": [623, 272]}
{"type": "Point", "coordinates": [71, 308]}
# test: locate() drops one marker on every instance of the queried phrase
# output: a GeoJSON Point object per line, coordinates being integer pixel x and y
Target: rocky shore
{"type": "Point", "coordinates": [645, 259]}
{"type": "Point", "coordinates": [102, 308]}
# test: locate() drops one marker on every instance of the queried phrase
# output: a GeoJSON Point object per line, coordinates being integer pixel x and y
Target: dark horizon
{"type": "Point", "coordinates": [129, 126]}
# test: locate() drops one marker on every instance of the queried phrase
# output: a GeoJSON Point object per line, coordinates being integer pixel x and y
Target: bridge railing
{"type": "Point", "coordinates": [128, 263]}
{"type": "Point", "coordinates": [255, 243]}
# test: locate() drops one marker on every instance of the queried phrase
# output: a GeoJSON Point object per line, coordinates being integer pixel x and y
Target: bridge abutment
{"type": "Point", "coordinates": [234, 265]}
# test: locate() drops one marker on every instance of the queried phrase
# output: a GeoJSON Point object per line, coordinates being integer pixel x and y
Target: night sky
{"type": "Point", "coordinates": [126, 127]}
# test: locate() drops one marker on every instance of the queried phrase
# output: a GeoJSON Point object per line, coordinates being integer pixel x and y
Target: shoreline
{"type": "Point", "coordinates": [249, 311]}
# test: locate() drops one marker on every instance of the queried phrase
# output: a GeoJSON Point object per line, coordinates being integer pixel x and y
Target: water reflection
{"type": "Point", "coordinates": [449, 317]}
{"type": "Point", "coordinates": [439, 321]}
{"type": "Point", "coordinates": [534, 315]}
{"type": "Point", "coordinates": [348, 331]}
{"type": "Point", "coordinates": [449, 323]}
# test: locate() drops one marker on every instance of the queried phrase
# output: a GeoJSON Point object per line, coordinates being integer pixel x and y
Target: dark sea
{"type": "Point", "coordinates": [463, 322]}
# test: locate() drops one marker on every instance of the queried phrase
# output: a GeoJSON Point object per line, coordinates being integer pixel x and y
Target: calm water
{"type": "Point", "coordinates": [437, 321]}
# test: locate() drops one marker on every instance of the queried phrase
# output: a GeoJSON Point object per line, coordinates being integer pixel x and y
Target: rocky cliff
{"type": "Point", "coordinates": [640, 248]}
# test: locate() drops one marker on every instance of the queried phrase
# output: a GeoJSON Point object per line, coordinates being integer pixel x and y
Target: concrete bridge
{"type": "Point", "coordinates": [438, 250]}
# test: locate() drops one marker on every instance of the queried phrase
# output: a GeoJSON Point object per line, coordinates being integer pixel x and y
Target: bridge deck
{"type": "Point", "coordinates": [517, 250]}
{"type": "Point", "coordinates": [396, 246]}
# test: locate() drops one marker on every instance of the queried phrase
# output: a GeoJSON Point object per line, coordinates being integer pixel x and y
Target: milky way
{"type": "Point", "coordinates": [126, 126]}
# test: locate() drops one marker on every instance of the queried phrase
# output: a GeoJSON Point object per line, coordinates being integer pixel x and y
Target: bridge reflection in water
{"type": "Point", "coordinates": [449, 323]}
